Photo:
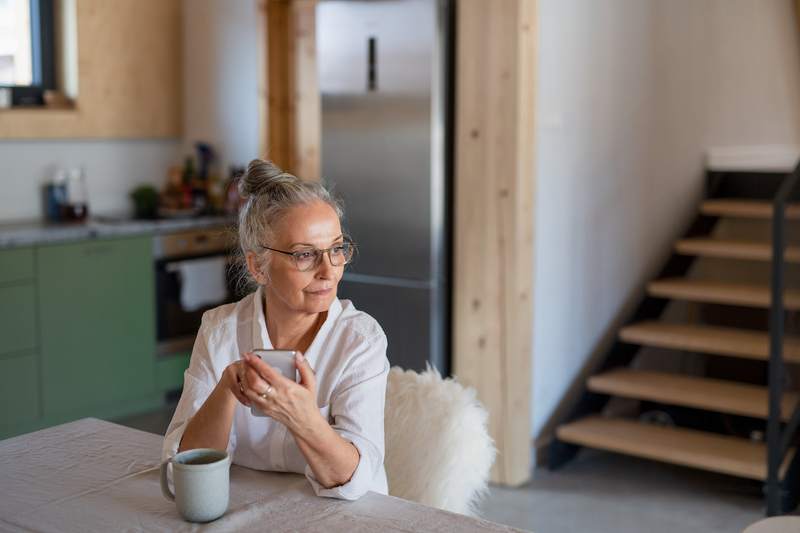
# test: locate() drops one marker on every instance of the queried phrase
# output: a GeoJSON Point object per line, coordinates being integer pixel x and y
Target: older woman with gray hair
{"type": "Point", "coordinates": [329, 425]}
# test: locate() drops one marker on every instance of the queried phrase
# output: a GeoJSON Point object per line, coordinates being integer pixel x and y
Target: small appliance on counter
{"type": "Point", "coordinates": [65, 197]}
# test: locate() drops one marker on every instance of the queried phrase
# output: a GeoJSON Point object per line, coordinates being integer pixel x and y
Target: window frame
{"type": "Point", "coordinates": [42, 19]}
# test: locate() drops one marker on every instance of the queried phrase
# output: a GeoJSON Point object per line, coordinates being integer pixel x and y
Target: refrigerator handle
{"type": "Point", "coordinates": [372, 72]}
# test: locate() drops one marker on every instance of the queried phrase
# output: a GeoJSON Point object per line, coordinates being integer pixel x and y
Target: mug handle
{"type": "Point", "coordinates": [165, 490]}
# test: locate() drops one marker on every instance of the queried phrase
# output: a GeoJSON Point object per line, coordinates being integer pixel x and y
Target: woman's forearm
{"type": "Point", "coordinates": [332, 459]}
{"type": "Point", "coordinates": [210, 427]}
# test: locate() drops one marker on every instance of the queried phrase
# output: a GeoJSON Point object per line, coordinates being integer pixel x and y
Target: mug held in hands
{"type": "Point", "coordinates": [280, 360]}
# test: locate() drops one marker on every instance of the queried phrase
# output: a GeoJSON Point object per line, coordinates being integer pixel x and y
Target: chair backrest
{"type": "Point", "coordinates": [438, 448]}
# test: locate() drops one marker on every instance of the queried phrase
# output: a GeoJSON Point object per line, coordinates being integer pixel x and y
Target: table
{"type": "Point", "coordinates": [775, 524]}
{"type": "Point", "coordinates": [92, 475]}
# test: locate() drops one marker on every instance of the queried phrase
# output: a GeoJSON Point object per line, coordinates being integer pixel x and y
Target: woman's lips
{"type": "Point", "coordinates": [321, 292]}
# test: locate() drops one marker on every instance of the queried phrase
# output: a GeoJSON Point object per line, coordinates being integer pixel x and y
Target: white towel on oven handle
{"type": "Point", "coordinates": [202, 282]}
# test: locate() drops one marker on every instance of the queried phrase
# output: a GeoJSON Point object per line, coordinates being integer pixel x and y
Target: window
{"type": "Point", "coordinates": [26, 49]}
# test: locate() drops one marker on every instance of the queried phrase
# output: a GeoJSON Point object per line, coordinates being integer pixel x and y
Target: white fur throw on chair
{"type": "Point", "coordinates": [438, 448]}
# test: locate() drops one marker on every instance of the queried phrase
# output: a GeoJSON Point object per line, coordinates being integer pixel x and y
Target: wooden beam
{"type": "Point", "coordinates": [494, 194]}
{"type": "Point", "coordinates": [292, 121]}
{"type": "Point", "coordinates": [306, 103]}
{"type": "Point", "coordinates": [278, 50]}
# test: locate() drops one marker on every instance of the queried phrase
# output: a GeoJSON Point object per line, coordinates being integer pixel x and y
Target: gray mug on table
{"type": "Point", "coordinates": [202, 479]}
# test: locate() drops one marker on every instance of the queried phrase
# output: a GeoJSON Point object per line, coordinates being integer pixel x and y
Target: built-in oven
{"type": "Point", "coordinates": [193, 274]}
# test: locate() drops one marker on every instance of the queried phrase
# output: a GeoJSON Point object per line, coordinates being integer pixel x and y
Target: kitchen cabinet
{"type": "Point", "coordinates": [19, 359]}
{"type": "Point", "coordinates": [97, 328]}
{"type": "Point", "coordinates": [17, 301]}
{"type": "Point", "coordinates": [169, 371]}
{"type": "Point", "coordinates": [17, 318]}
{"type": "Point", "coordinates": [16, 265]}
{"type": "Point", "coordinates": [19, 392]}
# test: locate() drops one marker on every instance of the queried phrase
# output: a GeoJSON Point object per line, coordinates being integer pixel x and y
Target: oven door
{"type": "Point", "coordinates": [186, 288]}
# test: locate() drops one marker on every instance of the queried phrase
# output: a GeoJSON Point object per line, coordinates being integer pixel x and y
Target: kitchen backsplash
{"type": "Point", "coordinates": [113, 168]}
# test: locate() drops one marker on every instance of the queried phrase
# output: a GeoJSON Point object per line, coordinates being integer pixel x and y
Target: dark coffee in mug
{"type": "Point", "coordinates": [207, 460]}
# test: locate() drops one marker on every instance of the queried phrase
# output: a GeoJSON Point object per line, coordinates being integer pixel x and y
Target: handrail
{"type": "Point", "coordinates": [778, 442]}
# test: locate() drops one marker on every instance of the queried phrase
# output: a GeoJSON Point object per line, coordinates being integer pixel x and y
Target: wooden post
{"type": "Point", "coordinates": [291, 128]}
{"type": "Point", "coordinates": [494, 194]}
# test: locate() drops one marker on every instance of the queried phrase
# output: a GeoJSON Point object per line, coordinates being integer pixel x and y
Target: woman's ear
{"type": "Point", "coordinates": [254, 265]}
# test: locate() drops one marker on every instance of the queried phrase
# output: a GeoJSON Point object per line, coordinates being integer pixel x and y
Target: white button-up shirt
{"type": "Point", "coordinates": [349, 358]}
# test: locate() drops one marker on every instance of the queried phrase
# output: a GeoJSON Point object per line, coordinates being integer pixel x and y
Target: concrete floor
{"type": "Point", "coordinates": [600, 492]}
{"type": "Point", "coordinates": [603, 492]}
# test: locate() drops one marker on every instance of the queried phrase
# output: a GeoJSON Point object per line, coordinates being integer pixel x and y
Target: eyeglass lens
{"type": "Point", "coordinates": [338, 256]}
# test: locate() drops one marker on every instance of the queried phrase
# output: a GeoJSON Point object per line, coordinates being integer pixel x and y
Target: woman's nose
{"type": "Point", "coordinates": [325, 267]}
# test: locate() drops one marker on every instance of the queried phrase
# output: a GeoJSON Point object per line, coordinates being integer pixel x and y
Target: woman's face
{"type": "Point", "coordinates": [308, 226]}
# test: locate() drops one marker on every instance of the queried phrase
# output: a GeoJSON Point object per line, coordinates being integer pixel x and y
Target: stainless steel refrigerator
{"type": "Point", "coordinates": [385, 71]}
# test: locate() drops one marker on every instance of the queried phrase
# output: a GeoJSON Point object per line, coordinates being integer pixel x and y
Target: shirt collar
{"type": "Point", "coordinates": [260, 335]}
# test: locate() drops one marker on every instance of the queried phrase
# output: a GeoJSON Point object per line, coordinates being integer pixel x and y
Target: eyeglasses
{"type": "Point", "coordinates": [307, 259]}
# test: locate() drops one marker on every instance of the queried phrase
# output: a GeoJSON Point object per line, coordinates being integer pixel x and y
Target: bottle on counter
{"type": "Point", "coordinates": [187, 200]}
{"type": "Point", "coordinates": [76, 208]}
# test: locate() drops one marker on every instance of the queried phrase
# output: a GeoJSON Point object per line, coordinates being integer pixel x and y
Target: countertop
{"type": "Point", "coordinates": [35, 232]}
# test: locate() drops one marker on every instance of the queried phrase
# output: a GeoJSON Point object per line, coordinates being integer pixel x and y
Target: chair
{"type": "Point", "coordinates": [438, 449]}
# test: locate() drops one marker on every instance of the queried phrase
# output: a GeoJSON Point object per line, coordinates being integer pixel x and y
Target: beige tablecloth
{"type": "Point", "coordinates": [92, 475]}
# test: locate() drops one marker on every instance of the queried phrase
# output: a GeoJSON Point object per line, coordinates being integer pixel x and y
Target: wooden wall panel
{"type": "Point", "coordinates": [129, 76]}
{"type": "Point", "coordinates": [276, 146]}
{"type": "Point", "coordinates": [293, 114]}
{"type": "Point", "coordinates": [494, 194]}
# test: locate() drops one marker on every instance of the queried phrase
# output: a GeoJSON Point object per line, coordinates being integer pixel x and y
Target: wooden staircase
{"type": "Point", "coordinates": [685, 447]}
{"type": "Point", "coordinates": [707, 450]}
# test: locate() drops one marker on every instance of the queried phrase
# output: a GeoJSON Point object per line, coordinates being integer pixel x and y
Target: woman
{"type": "Point", "coordinates": [329, 425]}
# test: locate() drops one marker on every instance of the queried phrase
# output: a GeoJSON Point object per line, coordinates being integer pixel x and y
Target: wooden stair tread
{"type": "Point", "coordinates": [731, 249]}
{"type": "Point", "coordinates": [691, 391]}
{"type": "Point", "coordinates": [680, 446]}
{"type": "Point", "coordinates": [734, 342]}
{"type": "Point", "coordinates": [720, 292]}
{"type": "Point", "coordinates": [731, 207]}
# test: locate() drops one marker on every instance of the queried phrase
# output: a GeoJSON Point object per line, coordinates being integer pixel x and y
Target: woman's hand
{"type": "Point", "coordinates": [210, 427]}
{"type": "Point", "coordinates": [233, 381]}
{"type": "Point", "coordinates": [292, 404]}
{"type": "Point", "coordinates": [332, 459]}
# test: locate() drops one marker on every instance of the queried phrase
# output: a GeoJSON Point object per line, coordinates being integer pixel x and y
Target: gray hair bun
{"type": "Point", "coordinates": [264, 178]}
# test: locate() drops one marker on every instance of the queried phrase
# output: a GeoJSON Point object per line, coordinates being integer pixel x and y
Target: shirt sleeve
{"type": "Point", "coordinates": [199, 381]}
{"type": "Point", "coordinates": [357, 405]}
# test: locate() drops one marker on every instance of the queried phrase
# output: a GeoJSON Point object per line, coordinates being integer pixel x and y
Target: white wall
{"type": "Point", "coordinates": [631, 93]}
{"type": "Point", "coordinates": [221, 76]}
{"type": "Point", "coordinates": [220, 106]}
{"type": "Point", "coordinates": [113, 168]}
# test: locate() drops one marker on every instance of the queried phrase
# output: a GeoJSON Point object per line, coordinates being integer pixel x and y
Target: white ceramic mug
{"type": "Point", "coordinates": [202, 481]}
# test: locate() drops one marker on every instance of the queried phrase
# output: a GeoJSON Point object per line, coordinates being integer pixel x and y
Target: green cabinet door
{"type": "Point", "coordinates": [19, 393]}
{"type": "Point", "coordinates": [97, 324]}
{"type": "Point", "coordinates": [17, 318]}
{"type": "Point", "coordinates": [16, 265]}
